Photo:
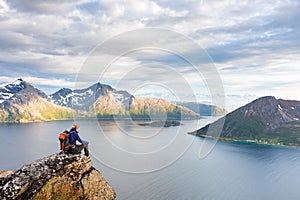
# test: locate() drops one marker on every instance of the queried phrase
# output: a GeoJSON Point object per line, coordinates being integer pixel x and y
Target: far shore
{"type": "Point", "coordinates": [96, 118]}
{"type": "Point", "coordinates": [249, 142]}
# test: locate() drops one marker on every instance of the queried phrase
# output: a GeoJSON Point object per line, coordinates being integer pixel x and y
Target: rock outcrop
{"type": "Point", "coordinates": [59, 176]}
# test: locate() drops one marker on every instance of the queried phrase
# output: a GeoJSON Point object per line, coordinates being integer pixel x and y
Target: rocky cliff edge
{"type": "Point", "coordinates": [59, 176]}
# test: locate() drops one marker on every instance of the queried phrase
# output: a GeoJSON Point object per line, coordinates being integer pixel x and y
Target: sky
{"type": "Point", "coordinates": [253, 45]}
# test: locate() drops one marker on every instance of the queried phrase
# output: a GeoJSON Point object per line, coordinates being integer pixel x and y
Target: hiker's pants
{"type": "Point", "coordinates": [78, 148]}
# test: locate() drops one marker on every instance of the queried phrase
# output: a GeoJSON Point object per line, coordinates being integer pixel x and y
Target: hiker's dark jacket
{"type": "Point", "coordinates": [74, 137]}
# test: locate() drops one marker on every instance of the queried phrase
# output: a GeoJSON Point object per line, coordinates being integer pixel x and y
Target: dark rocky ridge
{"type": "Point", "coordinates": [267, 120]}
{"type": "Point", "coordinates": [58, 176]}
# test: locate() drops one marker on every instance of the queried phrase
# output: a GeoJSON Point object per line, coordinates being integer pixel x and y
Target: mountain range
{"type": "Point", "coordinates": [203, 109]}
{"type": "Point", "coordinates": [104, 101]}
{"type": "Point", "coordinates": [264, 120]}
{"type": "Point", "coordinates": [22, 102]}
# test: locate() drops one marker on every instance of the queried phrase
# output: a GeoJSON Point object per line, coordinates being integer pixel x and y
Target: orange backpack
{"type": "Point", "coordinates": [64, 140]}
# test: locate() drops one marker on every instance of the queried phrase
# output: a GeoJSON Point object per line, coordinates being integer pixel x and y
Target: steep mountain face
{"type": "Point", "coordinates": [203, 109]}
{"type": "Point", "coordinates": [104, 101]}
{"type": "Point", "coordinates": [21, 102]}
{"type": "Point", "coordinates": [81, 99]}
{"type": "Point", "coordinates": [59, 176]}
{"type": "Point", "coordinates": [266, 119]}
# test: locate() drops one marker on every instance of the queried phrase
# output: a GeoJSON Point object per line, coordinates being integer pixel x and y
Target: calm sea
{"type": "Point", "coordinates": [143, 162]}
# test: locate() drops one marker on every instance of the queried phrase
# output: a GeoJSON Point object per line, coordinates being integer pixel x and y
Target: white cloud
{"type": "Point", "coordinates": [255, 44]}
{"type": "Point", "coordinates": [39, 81]}
{"type": "Point", "coordinates": [133, 9]}
{"type": "Point", "coordinates": [45, 6]}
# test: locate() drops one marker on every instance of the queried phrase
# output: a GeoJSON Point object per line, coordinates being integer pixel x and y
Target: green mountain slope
{"type": "Point", "coordinates": [265, 120]}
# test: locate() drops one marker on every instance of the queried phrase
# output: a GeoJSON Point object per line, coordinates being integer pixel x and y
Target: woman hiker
{"type": "Point", "coordinates": [74, 136]}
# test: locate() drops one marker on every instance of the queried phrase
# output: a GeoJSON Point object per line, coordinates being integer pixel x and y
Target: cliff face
{"type": "Point", "coordinates": [58, 176]}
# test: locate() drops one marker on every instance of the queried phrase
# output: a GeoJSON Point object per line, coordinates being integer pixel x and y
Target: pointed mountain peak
{"type": "Point", "coordinates": [18, 84]}
{"type": "Point", "coordinates": [9, 90]}
{"type": "Point", "coordinates": [19, 81]}
{"type": "Point", "coordinates": [272, 98]}
{"type": "Point", "coordinates": [15, 86]}
{"type": "Point", "coordinates": [265, 98]}
{"type": "Point", "coordinates": [99, 86]}
{"type": "Point", "coordinates": [65, 90]}
{"type": "Point", "coordinates": [262, 102]}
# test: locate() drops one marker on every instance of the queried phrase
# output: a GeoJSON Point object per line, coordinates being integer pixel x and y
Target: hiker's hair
{"type": "Point", "coordinates": [75, 126]}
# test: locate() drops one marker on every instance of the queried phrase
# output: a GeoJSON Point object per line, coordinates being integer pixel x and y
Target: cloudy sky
{"type": "Point", "coordinates": [254, 45]}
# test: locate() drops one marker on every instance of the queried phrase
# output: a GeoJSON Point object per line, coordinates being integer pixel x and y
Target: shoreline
{"type": "Point", "coordinates": [94, 118]}
{"type": "Point", "coordinates": [247, 142]}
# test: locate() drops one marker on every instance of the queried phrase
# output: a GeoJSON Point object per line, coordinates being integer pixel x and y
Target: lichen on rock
{"type": "Point", "coordinates": [59, 176]}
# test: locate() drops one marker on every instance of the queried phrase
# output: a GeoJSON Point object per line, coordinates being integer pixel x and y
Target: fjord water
{"type": "Point", "coordinates": [230, 171]}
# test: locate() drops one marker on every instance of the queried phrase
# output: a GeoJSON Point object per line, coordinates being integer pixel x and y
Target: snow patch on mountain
{"type": "Point", "coordinates": [121, 96]}
{"type": "Point", "coordinates": [8, 91]}
{"type": "Point", "coordinates": [81, 99]}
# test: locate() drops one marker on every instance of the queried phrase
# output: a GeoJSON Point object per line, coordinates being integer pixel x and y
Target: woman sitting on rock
{"type": "Point", "coordinates": [74, 136]}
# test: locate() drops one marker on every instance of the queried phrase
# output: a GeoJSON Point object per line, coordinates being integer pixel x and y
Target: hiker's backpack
{"type": "Point", "coordinates": [64, 140]}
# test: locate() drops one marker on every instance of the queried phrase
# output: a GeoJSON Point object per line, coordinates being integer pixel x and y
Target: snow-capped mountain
{"type": "Point", "coordinates": [9, 91]}
{"type": "Point", "coordinates": [83, 99]}
{"type": "Point", "coordinates": [21, 102]}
